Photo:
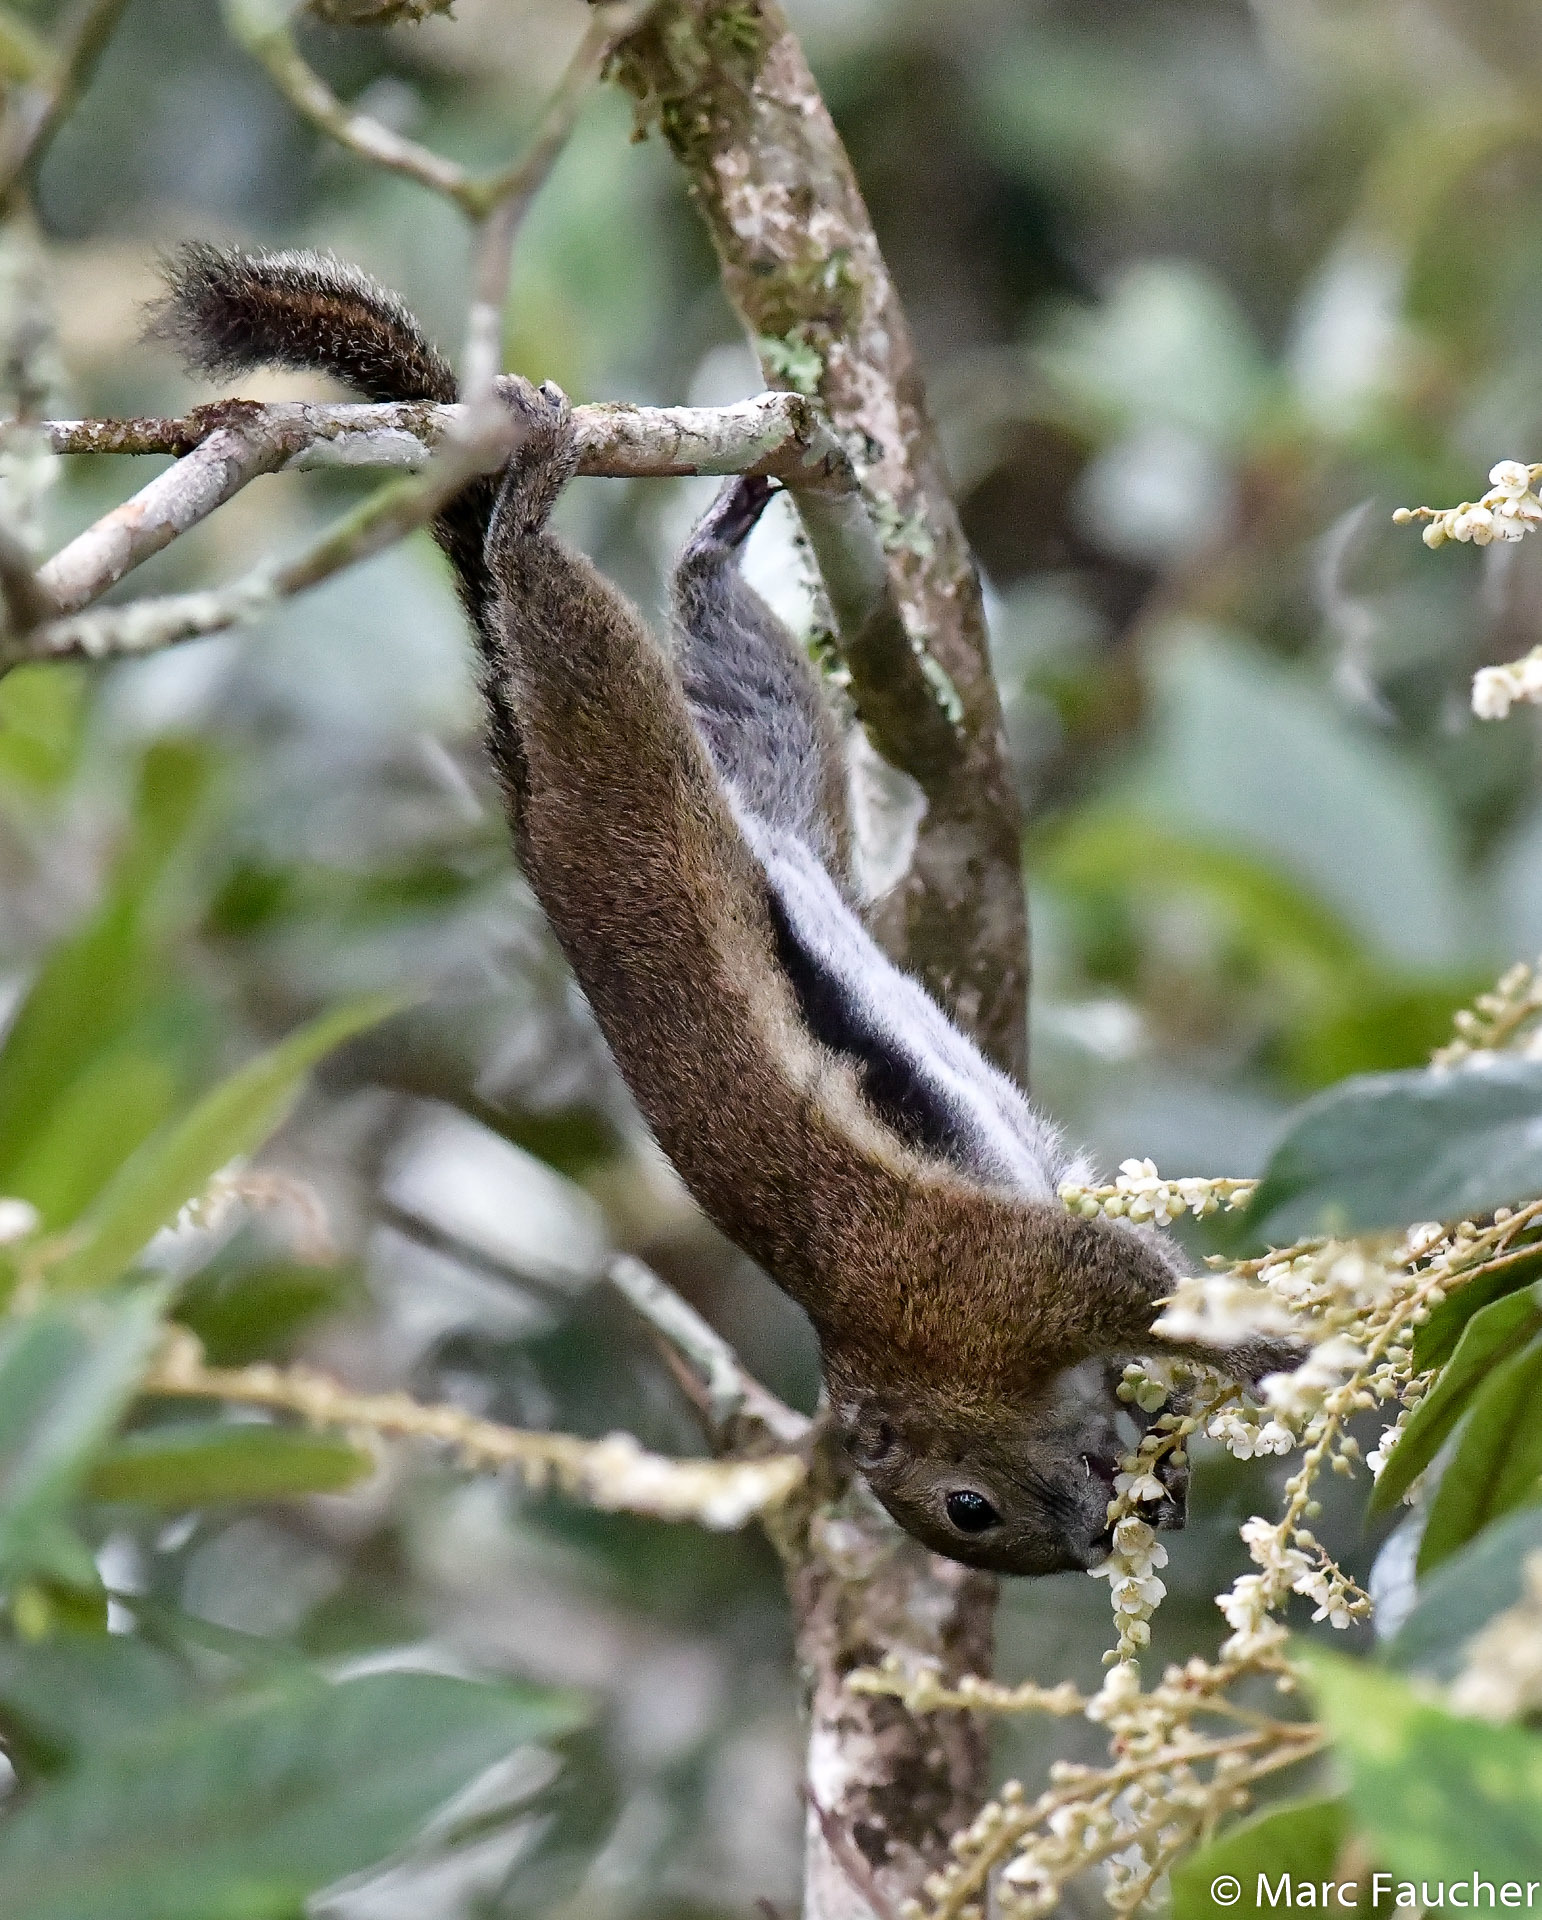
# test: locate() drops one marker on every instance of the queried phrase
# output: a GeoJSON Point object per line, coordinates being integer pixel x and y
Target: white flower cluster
{"type": "Point", "coordinates": [1147, 1384]}
{"type": "Point", "coordinates": [261, 1189]}
{"type": "Point", "coordinates": [1245, 1439]}
{"type": "Point", "coordinates": [1498, 1020]}
{"type": "Point", "coordinates": [1141, 1194]}
{"type": "Point", "coordinates": [1327, 1367]}
{"type": "Point", "coordinates": [1501, 1678]}
{"type": "Point", "coordinates": [1334, 1280]}
{"type": "Point", "coordinates": [1513, 683]}
{"type": "Point", "coordinates": [1356, 1308]}
{"type": "Point", "coordinates": [1131, 1567]}
{"type": "Point", "coordinates": [1508, 511]}
{"type": "Point", "coordinates": [1219, 1310]}
{"type": "Point", "coordinates": [1136, 1592]}
{"type": "Point", "coordinates": [1384, 1449]}
{"type": "Point", "coordinates": [1291, 1562]}
{"type": "Point", "coordinates": [1165, 1787]}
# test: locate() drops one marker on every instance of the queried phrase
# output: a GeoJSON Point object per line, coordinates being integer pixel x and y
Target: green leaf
{"type": "Point", "coordinates": [178, 1162]}
{"type": "Point", "coordinates": [1488, 1339]}
{"type": "Point", "coordinates": [1464, 1593]}
{"type": "Point", "coordinates": [1435, 1341]}
{"type": "Point", "coordinates": [1497, 1462]}
{"type": "Point", "coordinates": [246, 1313]}
{"type": "Point", "coordinates": [1374, 1024]}
{"type": "Point", "coordinates": [94, 987]}
{"type": "Point", "coordinates": [64, 1696]}
{"type": "Point", "coordinates": [1280, 922]}
{"type": "Point", "coordinates": [42, 709]}
{"type": "Point", "coordinates": [1302, 1840]}
{"type": "Point", "coordinates": [88, 990]}
{"type": "Point", "coordinates": [198, 1463]}
{"type": "Point", "coordinates": [1438, 1797]}
{"type": "Point", "coordinates": [114, 1104]}
{"type": "Point", "coordinates": [1250, 753]}
{"type": "Point", "coordinates": [66, 1374]}
{"type": "Point", "coordinates": [1387, 1149]}
{"type": "Point", "coordinates": [242, 1810]}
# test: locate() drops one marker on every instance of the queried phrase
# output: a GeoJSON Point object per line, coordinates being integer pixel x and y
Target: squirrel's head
{"type": "Point", "coordinates": [1018, 1485]}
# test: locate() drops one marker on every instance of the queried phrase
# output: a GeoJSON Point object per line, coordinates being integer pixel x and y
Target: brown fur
{"type": "Point", "coordinates": [952, 1313]}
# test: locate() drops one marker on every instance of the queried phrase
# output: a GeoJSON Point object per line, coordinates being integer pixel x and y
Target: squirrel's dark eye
{"type": "Point", "coordinates": [971, 1512]}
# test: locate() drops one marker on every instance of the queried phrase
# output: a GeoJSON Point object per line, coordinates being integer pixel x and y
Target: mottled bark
{"type": "Point", "coordinates": [727, 84]}
{"type": "Point", "coordinates": [886, 1788]}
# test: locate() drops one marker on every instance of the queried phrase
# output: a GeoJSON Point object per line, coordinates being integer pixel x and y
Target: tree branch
{"type": "Point", "coordinates": [614, 1474]}
{"type": "Point", "coordinates": [734, 1398]}
{"type": "Point", "coordinates": [727, 84]}
{"type": "Point", "coordinates": [396, 509]}
{"type": "Point", "coordinates": [173, 502]}
{"type": "Point", "coordinates": [226, 446]}
{"type": "Point", "coordinates": [506, 196]}
{"type": "Point", "coordinates": [263, 28]}
{"type": "Point", "coordinates": [780, 434]}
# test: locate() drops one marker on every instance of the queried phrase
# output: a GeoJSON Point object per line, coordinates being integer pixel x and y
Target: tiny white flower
{"type": "Point", "coordinates": [1475, 524]}
{"type": "Point", "coordinates": [1142, 1487]}
{"type": "Point", "coordinates": [18, 1220]}
{"type": "Point", "coordinates": [1492, 693]}
{"type": "Point", "coordinates": [1133, 1536]}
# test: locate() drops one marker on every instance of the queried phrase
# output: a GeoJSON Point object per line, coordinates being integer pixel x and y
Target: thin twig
{"type": "Point", "coordinates": [508, 194]}
{"type": "Point", "coordinates": [732, 1395]}
{"type": "Point", "coordinates": [615, 1474]}
{"type": "Point", "coordinates": [37, 115]}
{"type": "Point", "coordinates": [395, 509]}
{"type": "Point", "coordinates": [495, 202]}
{"type": "Point", "coordinates": [263, 29]}
{"type": "Point", "coordinates": [679, 1322]}
{"type": "Point", "coordinates": [173, 502]}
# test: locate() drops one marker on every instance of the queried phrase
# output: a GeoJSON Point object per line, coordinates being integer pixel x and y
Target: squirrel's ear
{"type": "Point", "coordinates": [870, 1437]}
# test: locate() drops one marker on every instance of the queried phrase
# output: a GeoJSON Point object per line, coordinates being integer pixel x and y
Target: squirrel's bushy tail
{"type": "Point", "coordinates": [226, 310]}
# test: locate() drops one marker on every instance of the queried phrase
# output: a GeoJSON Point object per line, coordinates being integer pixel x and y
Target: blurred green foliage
{"type": "Point", "coordinates": [1203, 292]}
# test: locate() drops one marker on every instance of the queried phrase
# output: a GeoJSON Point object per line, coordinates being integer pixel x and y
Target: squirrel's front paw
{"type": "Point", "coordinates": [543, 461]}
{"type": "Point", "coordinates": [542, 413]}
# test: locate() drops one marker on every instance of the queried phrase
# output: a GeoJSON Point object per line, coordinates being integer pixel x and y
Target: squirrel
{"type": "Point", "coordinates": [680, 812]}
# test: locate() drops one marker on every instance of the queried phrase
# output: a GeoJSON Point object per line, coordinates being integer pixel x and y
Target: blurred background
{"type": "Point", "coordinates": [1203, 292]}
